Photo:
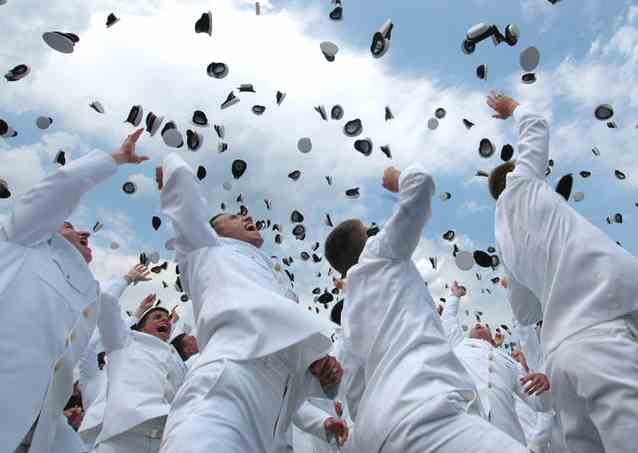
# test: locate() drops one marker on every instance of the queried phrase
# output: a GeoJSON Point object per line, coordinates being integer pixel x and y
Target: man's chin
{"type": "Point", "coordinates": [87, 254]}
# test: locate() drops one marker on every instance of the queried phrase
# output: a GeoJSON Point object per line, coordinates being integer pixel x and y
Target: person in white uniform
{"type": "Point", "coordinates": [565, 271]}
{"type": "Point", "coordinates": [144, 374]}
{"type": "Point", "coordinates": [417, 392]}
{"type": "Point", "coordinates": [50, 296]}
{"type": "Point", "coordinates": [260, 351]}
{"type": "Point", "coordinates": [497, 376]}
{"type": "Point", "coordinates": [92, 374]}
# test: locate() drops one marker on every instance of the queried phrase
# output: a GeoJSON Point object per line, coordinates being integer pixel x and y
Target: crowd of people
{"type": "Point", "coordinates": [389, 372]}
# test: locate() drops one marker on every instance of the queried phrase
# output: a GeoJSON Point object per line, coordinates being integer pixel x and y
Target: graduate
{"type": "Point", "coordinates": [49, 298]}
{"type": "Point", "coordinates": [261, 353]}
{"type": "Point", "coordinates": [417, 393]}
{"type": "Point", "coordinates": [496, 375]}
{"type": "Point", "coordinates": [563, 270]}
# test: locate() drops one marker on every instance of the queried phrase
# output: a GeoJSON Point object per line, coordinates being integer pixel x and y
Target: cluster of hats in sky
{"type": "Point", "coordinates": [193, 138]}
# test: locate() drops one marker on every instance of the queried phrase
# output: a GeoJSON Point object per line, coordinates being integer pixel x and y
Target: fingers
{"type": "Point", "coordinates": [159, 177]}
{"type": "Point", "coordinates": [135, 136]}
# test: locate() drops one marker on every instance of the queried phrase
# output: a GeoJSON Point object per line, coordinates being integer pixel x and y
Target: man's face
{"type": "Point", "coordinates": [158, 324]}
{"type": "Point", "coordinates": [482, 332]}
{"type": "Point", "coordinates": [238, 227]}
{"type": "Point", "coordinates": [79, 239]}
{"type": "Point", "coordinates": [190, 345]}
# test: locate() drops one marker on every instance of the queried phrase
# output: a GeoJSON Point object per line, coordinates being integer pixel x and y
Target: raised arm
{"type": "Point", "coordinates": [450, 318]}
{"type": "Point", "coordinates": [184, 204]}
{"type": "Point", "coordinates": [400, 235]}
{"type": "Point", "coordinates": [525, 305]}
{"type": "Point", "coordinates": [40, 212]}
{"type": "Point", "coordinates": [533, 135]}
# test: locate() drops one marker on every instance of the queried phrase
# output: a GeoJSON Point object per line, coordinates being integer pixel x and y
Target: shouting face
{"type": "Point", "coordinates": [79, 240]}
{"type": "Point", "coordinates": [238, 227]}
{"type": "Point", "coordinates": [157, 323]}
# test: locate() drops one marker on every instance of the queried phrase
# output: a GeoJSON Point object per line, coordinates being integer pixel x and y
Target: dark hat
{"type": "Point", "coordinates": [529, 59]}
{"type": "Point", "coordinates": [304, 145]}
{"type": "Point", "coordinates": [279, 97]}
{"type": "Point", "coordinates": [60, 158]}
{"type": "Point", "coordinates": [171, 136]}
{"type": "Point", "coordinates": [482, 258]}
{"type": "Point", "coordinates": [329, 50]}
{"type": "Point", "coordinates": [381, 39]}
{"type": "Point", "coordinates": [156, 222]}
{"type": "Point", "coordinates": [564, 186]}
{"type": "Point", "coordinates": [111, 20]}
{"type": "Point", "coordinates": [43, 122]}
{"type": "Point", "coordinates": [258, 109]}
{"type": "Point", "coordinates": [388, 114]}
{"type": "Point", "coordinates": [585, 174]}
{"type": "Point", "coordinates": [135, 115]}
{"type": "Point", "coordinates": [97, 106]}
{"type": "Point", "coordinates": [219, 130]}
{"type": "Point", "coordinates": [353, 128]}
{"type": "Point", "coordinates": [294, 175]}
{"type": "Point", "coordinates": [205, 23]}
{"type": "Point", "coordinates": [231, 100]}
{"type": "Point", "coordinates": [604, 112]}
{"type": "Point", "coordinates": [336, 13]}
{"type": "Point", "coordinates": [238, 168]}
{"type": "Point", "coordinates": [328, 221]}
{"type": "Point", "coordinates": [467, 123]}
{"type": "Point", "coordinates": [486, 148]}
{"type": "Point", "coordinates": [336, 113]}
{"type": "Point", "coordinates": [201, 172]}
{"type": "Point", "coordinates": [444, 196]}
{"type": "Point", "coordinates": [385, 149]}
{"type": "Point", "coordinates": [449, 235]}
{"type": "Point", "coordinates": [200, 119]}
{"type": "Point", "coordinates": [153, 123]}
{"type": "Point", "coordinates": [619, 174]}
{"type": "Point", "coordinates": [481, 72]}
{"type": "Point", "coordinates": [246, 88]}
{"type": "Point", "coordinates": [17, 73]}
{"type": "Point", "coordinates": [299, 232]}
{"type": "Point", "coordinates": [62, 42]}
{"type": "Point", "coordinates": [364, 146]}
{"type": "Point", "coordinates": [217, 70]}
{"type": "Point", "coordinates": [296, 217]}
{"type": "Point", "coordinates": [4, 189]}
{"type": "Point", "coordinates": [129, 187]}
{"type": "Point", "coordinates": [353, 193]}
{"type": "Point", "coordinates": [528, 78]}
{"type": "Point", "coordinates": [440, 113]}
{"type": "Point", "coordinates": [321, 110]}
{"type": "Point", "coordinates": [194, 140]}
{"type": "Point", "coordinates": [507, 152]}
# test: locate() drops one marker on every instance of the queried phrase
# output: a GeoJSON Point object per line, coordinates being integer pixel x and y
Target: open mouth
{"type": "Point", "coordinates": [250, 227]}
{"type": "Point", "coordinates": [163, 328]}
{"type": "Point", "coordinates": [84, 242]}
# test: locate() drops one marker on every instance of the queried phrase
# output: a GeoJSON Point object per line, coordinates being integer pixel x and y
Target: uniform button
{"type": "Point", "coordinates": [87, 312]}
{"type": "Point", "coordinates": [68, 276]}
{"type": "Point", "coordinates": [58, 365]}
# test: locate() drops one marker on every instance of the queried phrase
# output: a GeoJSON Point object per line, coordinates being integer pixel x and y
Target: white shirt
{"type": "Point", "coordinates": [391, 329]}
{"type": "Point", "coordinates": [562, 268]}
{"type": "Point", "coordinates": [48, 300]}
{"type": "Point", "coordinates": [495, 374]}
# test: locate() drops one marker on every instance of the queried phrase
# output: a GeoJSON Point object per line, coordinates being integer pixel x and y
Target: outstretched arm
{"type": "Point", "coordinates": [450, 318]}
{"type": "Point", "coordinates": [184, 204]}
{"type": "Point", "coordinates": [400, 235]}
{"type": "Point", "coordinates": [40, 212]}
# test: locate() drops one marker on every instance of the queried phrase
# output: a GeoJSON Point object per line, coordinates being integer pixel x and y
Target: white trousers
{"type": "Point", "coordinates": [443, 426]}
{"type": "Point", "coordinates": [594, 376]}
{"type": "Point", "coordinates": [229, 407]}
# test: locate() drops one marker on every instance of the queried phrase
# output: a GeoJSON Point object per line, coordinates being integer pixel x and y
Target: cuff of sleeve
{"type": "Point", "coordinates": [520, 112]}
{"type": "Point", "coordinates": [411, 170]}
{"type": "Point", "coordinates": [172, 163]}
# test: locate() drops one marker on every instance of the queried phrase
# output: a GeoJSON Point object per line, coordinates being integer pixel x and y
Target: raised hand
{"type": "Point", "coordinates": [147, 303]}
{"type": "Point", "coordinates": [328, 370]}
{"type": "Point", "coordinates": [126, 154]}
{"type": "Point", "coordinates": [458, 291]}
{"type": "Point", "coordinates": [336, 428]}
{"type": "Point", "coordinates": [139, 273]}
{"type": "Point", "coordinates": [504, 106]}
{"type": "Point", "coordinates": [391, 179]}
{"type": "Point", "coordinates": [174, 315]}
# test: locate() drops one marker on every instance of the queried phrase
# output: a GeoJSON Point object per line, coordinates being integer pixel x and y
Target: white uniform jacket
{"type": "Point", "coordinates": [562, 269]}
{"type": "Point", "coordinates": [391, 329]}
{"type": "Point", "coordinates": [144, 373]}
{"type": "Point", "coordinates": [241, 310]}
{"type": "Point", "coordinates": [495, 374]}
{"type": "Point", "coordinates": [48, 300]}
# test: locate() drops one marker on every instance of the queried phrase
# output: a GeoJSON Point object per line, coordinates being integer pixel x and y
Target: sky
{"type": "Point", "coordinates": [153, 57]}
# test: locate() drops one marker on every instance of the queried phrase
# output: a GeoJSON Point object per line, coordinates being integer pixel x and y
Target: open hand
{"type": "Point", "coordinates": [174, 315]}
{"type": "Point", "coordinates": [328, 370]}
{"type": "Point", "coordinates": [538, 383]}
{"type": "Point", "coordinates": [126, 154]}
{"type": "Point", "coordinates": [336, 428]}
{"type": "Point", "coordinates": [458, 291]}
{"type": "Point", "coordinates": [504, 106]}
{"type": "Point", "coordinates": [391, 179]}
{"type": "Point", "coordinates": [139, 273]}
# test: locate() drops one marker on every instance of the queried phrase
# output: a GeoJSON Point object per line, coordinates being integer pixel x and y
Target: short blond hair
{"type": "Point", "coordinates": [498, 177]}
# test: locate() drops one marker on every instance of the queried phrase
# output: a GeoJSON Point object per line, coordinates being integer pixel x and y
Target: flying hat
{"type": "Point", "coordinates": [62, 42]}
{"type": "Point", "coordinates": [578, 196]}
{"type": "Point", "coordinates": [564, 186]}
{"type": "Point", "coordinates": [445, 196]}
{"type": "Point", "coordinates": [200, 119]}
{"type": "Point", "coordinates": [304, 145]}
{"type": "Point", "coordinates": [381, 39]}
{"type": "Point", "coordinates": [220, 131]}
{"type": "Point", "coordinates": [336, 113]}
{"type": "Point", "coordinates": [296, 217]}
{"type": "Point", "coordinates": [258, 109]}
{"type": "Point", "coordinates": [294, 175]}
{"type": "Point", "coordinates": [238, 168]}
{"type": "Point", "coordinates": [619, 174]}
{"type": "Point", "coordinates": [528, 78]}
{"type": "Point", "coordinates": [337, 12]}
{"type": "Point", "coordinates": [135, 115]}
{"type": "Point", "coordinates": [321, 110]}
{"type": "Point", "coordinates": [222, 147]}
{"type": "Point", "coordinates": [111, 20]}
{"type": "Point", "coordinates": [328, 221]}
{"type": "Point", "coordinates": [481, 72]}
{"type": "Point", "coordinates": [194, 140]}
{"type": "Point", "coordinates": [388, 114]}
{"type": "Point", "coordinates": [449, 235]}
{"type": "Point", "coordinates": [385, 149]}
{"type": "Point", "coordinates": [529, 59]}
{"type": "Point", "coordinates": [156, 222]}
{"type": "Point", "coordinates": [4, 189]}
{"type": "Point", "coordinates": [246, 88]}
{"type": "Point", "coordinates": [97, 227]}
{"type": "Point", "coordinates": [172, 137]}
{"type": "Point", "coordinates": [329, 50]}
{"type": "Point", "coordinates": [440, 113]}
{"type": "Point", "coordinates": [364, 146]}
{"type": "Point", "coordinates": [60, 158]}
{"type": "Point", "coordinates": [43, 122]}
{"type": "Point", "coordinates": [486, 148]}
{"type": "Point", "coordinates": [604, 112]}
{"type": "Point", "coordinates": [507, 152]}
{"type": "Point", "coordinates": [464, 260]}
{"type": "Point", "coordinates": [217, 70]}
{"type": "Point", "coordinates": [97, 106]}
{"type": "Point", "coordinates": [205, 23]}
{"type": "Point", "coordinates": [17, 73]}
{"type": "Point", "coordinates": [231, 100]}
{"type": "Point", "coordinates": [353, 128]}
{"type": "Point", "coordinates": [299, 232]}
{"type": "Point", "coordinates": [279, 97]}
{"type": "Point", "coordinates": [468, 124]}
{"type": "Point", "coordinates": [129, 187]}
{"type": "Point", "coordinates": [153, 123]}
{"type": "Point", "coordinates": [433, 124]}
{"type": "Point", "coordinates": [353, 193]}
{"type": "Point", "coordinates": [482, 258]}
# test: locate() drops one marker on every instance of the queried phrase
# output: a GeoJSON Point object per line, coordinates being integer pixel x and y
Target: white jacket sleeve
{"type": "Point", "coordinates": [114, 330]}
{"type": "Point", "coordinates": [541, 403]}
{"type": "Point", "coordinates": [88, 370]}
{"type": "Point", "coordinates": [450, 321]}
{"type": "Point", "coordinates": [531, 348]}
{"type": "Point", "coordinates": [401, 234]}
{"type": "Point", "coordinates": [310, 419]}
{"type": "Point", "coordinates": [184, 204]}
{"type": "Point", "coordinates": [525, 306]}
{"type": "Point", "coordinates": [40, 212]}
{"type": "Point", "coordinates": [533, 144]}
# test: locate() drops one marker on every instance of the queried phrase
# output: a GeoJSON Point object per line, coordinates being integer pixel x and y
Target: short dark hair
{"type": "Point", "coordinates": [344, 245]}
{"type": "Point", "coordinates": [178, 344]}
{"type": "Point", "coordinates": [215, 217]}
{"type": "Point", "coordinates": [335, 313]}
{"type": "Point", "coordinates": [498, 177]}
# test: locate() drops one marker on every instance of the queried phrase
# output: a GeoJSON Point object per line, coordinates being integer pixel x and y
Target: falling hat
{"type": "Point", "coordinates": [604, 112]}
{"type": "Point", "coordinates": [153, 123]}
{"type": "Point", "coordinates": [205, 23]}
{"type": "Point", "coordinates": [336, 113]}
{"type": "Point", "coordinates": [62, 42]}
{"type": "Point", "coordinates": [279, 97]}
{"type": "Point", "coordinates": [529, 59]}
{"type": "Point", "coordinates": [482, 174]}
{"type": "Point", "coordinates": [238, 168]}
{"type": "Point", "coordinates": [299, 232]}
{"type": "Point", "coordinates": [491, 249]}
{"type": "Point", "coordinates": [135, 115]}
{"type": "Point", "coordinates": [364, 146]}
{"type": "Point", "coordinates": [353, 193]}
{"type": "Point", "coordinates": [305, 256]}
{"type": "Point", "coordinates": [17, 73]}
{"type": "Point", "coordinates": [353, 128]}
{"type": "Point", "coordinates": [595, 151]}
{"type": "Point", "coordinates": [481, 72]}
{"type": "Point", "coordinates": [381, 39]}
{"type": "Point", "coordinates": [111, 20]}
{"type": "Point", "coordinates": [246, 88]}
{"type": "Point", "coordinates": [388, 114]}
{"type": "Point", "coordinates": [385, 149]}
{"type": "Point", "coordinates": [294, 175]}
{"type": "Point", "coordinates": [578, 196]}
{"type": "Point", "coordinates": [171, 136]}
{"type": "Point", "coordinates": [258, 109]}
{"type": "Point", "coordinates": [201, 172]}
{"type": "Point", "coordinates": [486, 148]}
{"type": "Point", "coordinates": [564, 186]}
{"type": "Point", "coordinates": [336, 13]}
{"type": "Point", "coordinates": [328, 221]}
{"type": "Point", "coordinates": [507, 152]}
{"type": "Point", "coordinates": [222, 147]}
{"type": "Point", "coordinates": [329, 180]}
{"type": "Point", "coordinates": [193, 140]}
{"type": "Point", "coordinates": [445, 196]}
{"type": "Point", "coordinates": [512, 34]}
{"type": "Point", "coordinates": [528, 78]}
{"type": "Point", "coordinates": [618, 217]}
{"type": "Point", "coordinates": [231, 100]}
{"type": "Point", "coordinates": [200, 119]}
{"type": "Point", "coordinates": [433, 124]}
{"type": "Point", "coordinates": [612, 124]}
{"type": "Point", "coordinates": [482, 258]}
{"type": "Point", "coordinates": [296, 217]}
{"type": "Point", "coordinates": [129, 187]}
{"type": "Point", "coordinates": [97, 227]}
{"type": "Point", "coordinates": [217, 70]}
{"type": "Point", "coordinates": [97, 106]}
{"type": "Point", "coordinates": [585, 174]}
{"type": "Point", "coordinates": [619, 174]}
{"type": "Point", "coordinates": [43, 122]}
{"type": "Point", "coordinates": [440, 113]}
{"type": "Point", "coordinates": [304, 145]}
{"type": "Point", "coordinates": [156, 222]}
{"type": "Point", "coordinates": [219, 130]}
{"type": "Point", "coordinates": [449, 235]}
{"type": "Point", "coordinates": [464, 260]}
{"type": "Point", "coordinates": [468, 124]}
{"type": "Point", "coordinates": [329, 50]}
{"type": "Point", "coordinates": [321, 110]}
{"type": "Point", "coordinates": [114, 245]}
{"type": "Point", "coordinates": [4, 189]}
{"type": "Point", "coordinates": [60, 158]}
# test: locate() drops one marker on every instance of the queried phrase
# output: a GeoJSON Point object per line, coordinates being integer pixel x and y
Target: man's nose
{"type": "Point", "coordinates": [84, 234]}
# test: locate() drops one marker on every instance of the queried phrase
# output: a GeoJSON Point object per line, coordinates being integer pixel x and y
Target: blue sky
{"type": "Point", "coordinates": [589, 54]}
